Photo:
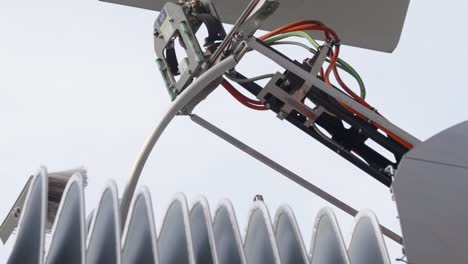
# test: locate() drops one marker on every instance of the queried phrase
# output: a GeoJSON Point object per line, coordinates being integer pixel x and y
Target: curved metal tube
{"type": "Point", "coordinates": [185, 98]}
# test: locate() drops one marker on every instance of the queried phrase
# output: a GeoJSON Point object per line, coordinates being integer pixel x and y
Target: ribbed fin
{"type": "Point", "coordinates": [139, 236]}
{"type": "Point", "coordinates": [228, 239]}
{"type": "Point", "coordinates": [104, 237]}
{"type": "Point", "coordinates": [69, 229]}
{"type": "Point", "coordinates": [367, 245]}
{"type": "Point", "coordinates": [260, 242]}
{"type": "Point", "coordinates": [327, 244]}
{"type": "Point", "coordinates": [29, 245]}
{"type": "Point", "coordinates": [175, 239]}
{"type": "Point", "coordinates": [288, 237]}
{"type": "Point", "coordinates": [202, 233]}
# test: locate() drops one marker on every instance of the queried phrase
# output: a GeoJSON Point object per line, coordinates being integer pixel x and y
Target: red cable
{"type": "Point", "coordinates": [253, 104]}
{"type": "Point", "coordinates": [288, 26]}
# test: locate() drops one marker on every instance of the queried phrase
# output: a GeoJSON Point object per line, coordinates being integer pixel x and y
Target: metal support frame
{"type": "Point", "coordinates": [12, 219]}
{"type": "Point", "coordinates": [177, 21]}
{"type": "Point", "coordinates": [285, 94]}
{"type": "Point", "coordinates": [286, 63]}
{"type": "Point", "coordinates": [235, 45]}
{"type": "Point", "coordinates": [286, 172]}
{"type": "Point", "coordinates": [346, 142]}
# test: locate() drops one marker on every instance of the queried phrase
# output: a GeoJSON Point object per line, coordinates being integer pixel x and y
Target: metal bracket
{"type": "Point", "coordinates": [11, 221]}
{"type": "Point", "coordinates": [181, 22]}
{"type": "Point", "coordinates": [291, 102]}
{"type": "Point", "coordinates": [283, 61]}
{"type": "Point", "coordinates": [249, 22]}
{"type": "Point", "coordinates": [294, 100]}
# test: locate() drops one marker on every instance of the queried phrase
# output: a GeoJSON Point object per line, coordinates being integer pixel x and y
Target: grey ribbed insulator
{"type": "Point", "coordinates": [186, 237]}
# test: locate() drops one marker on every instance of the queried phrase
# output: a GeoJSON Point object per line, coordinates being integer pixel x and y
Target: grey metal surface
{"type": "Point", "coordinates": [184, 237]}
{"type": "Point", "coordinates": [29, 245]}
{"type": "Point", "coordinates": [104, 236]}
{"type": "Point", "coordinates": [69, 230]}
{"type": "Point", "coordinates": [371, 24]}
{"type": "Point", "coordinates": [431, 193]}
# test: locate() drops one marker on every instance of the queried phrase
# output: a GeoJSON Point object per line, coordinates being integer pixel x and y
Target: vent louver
{"type": "Point", "coordinates": [185, 237]}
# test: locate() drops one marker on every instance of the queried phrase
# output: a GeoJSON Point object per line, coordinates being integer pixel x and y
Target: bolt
{"type": "Point", "coordinates": [281, 115]}
{"type": "Point", "coordinates": [171, 19]}
{"type": "Point", "coordinates": [17, 212]}
{"type": "Point", "coordinates": [240, 35]}
{"type": "Point", "coordinates": [258, 197]}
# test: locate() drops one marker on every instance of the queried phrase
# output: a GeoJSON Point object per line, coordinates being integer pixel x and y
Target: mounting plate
{"type": "Point", "coordinates": [369, 24]}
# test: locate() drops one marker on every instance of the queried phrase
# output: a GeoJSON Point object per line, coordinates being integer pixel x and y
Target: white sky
{"type": "Point", "coordinates": [79, 86]}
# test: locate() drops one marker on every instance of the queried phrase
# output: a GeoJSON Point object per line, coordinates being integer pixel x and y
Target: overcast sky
{"type": "Point", "coordinates": [79, 86]}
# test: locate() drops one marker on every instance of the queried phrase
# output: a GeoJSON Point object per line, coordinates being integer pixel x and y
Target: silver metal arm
{"type": "Point", "coordinates": [192, 92]}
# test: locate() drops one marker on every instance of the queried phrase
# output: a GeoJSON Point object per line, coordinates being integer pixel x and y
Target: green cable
{"type": "Point", "coordinates": [301, 34]}
{"type": "Point", "coordinates": [348, 68]}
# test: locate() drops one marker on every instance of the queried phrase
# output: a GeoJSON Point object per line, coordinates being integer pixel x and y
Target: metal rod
{"type": "Point", "coordinates": [219, 51]}
{"type": "Point", "coordinates": [287, 173]}
{"type": "Point", "coordinates": [185, 98]}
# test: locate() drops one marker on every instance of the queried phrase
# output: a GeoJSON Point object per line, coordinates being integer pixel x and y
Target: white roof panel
{"type": "Point", "coordinates": [370, 24]}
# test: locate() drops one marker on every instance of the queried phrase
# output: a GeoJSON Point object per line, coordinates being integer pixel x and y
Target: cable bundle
{"type": "Point", "coordinates": [297, 29]}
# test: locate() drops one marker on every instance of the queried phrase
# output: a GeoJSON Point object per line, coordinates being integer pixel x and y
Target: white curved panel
{"type": "Point", "coordinates": [69, 229]}
{"type": "Point", "coordinates": [327, 244]}
{"type": "Point", "coordinates": [367, 245]}
{"type": "Point", "coordinates": [227, 236]}
{"type": "Point", "coordinates": [185, 238]}
{"type": "Point", "coordinates": [288, 237]}
{"type": "Point", "coordinates": [175, 238]}
{"type": "Point", "coordinates": [29, 245]}
{"type": "Point", "coordinates": [371, 24]}
{"type": "Point", "coordinates": [104, 234]}
{"type": "Point", "coordinates": [139, 237]}
{"type": "Point", "coordinates": [202, 233]}
{"type": "Point", "coordinates": [260, 242]}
